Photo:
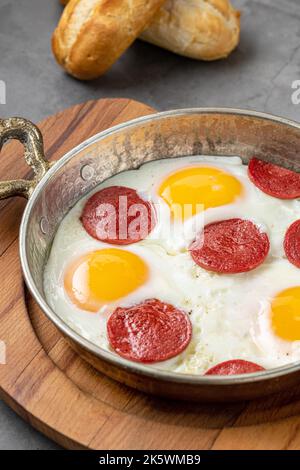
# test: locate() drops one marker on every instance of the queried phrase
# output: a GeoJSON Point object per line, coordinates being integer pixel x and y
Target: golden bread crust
{"type": "Point", "coordinates": [200, 29]}
{"type": "Point", "coordinates": [92, 34]}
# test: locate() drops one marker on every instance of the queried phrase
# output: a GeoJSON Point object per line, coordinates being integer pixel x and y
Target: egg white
{"type": "Point", "coordinates": [229, 313]}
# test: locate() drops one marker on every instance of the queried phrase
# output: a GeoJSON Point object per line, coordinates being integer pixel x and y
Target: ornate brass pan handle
{"type": "Point", "coordinates": [30, 136]}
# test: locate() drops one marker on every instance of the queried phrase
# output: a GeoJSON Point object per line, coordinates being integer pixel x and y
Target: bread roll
{"type": "Point", "coordinates": [200, 29]}
{"type": "Point", "coordinates": [92, 34]}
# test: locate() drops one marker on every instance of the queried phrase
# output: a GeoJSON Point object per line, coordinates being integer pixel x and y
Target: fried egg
{"type": "Point", "coordinates": [252, 316]}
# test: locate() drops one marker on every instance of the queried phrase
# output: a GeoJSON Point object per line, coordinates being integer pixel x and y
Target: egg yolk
{"type": "Point", "coordinates": [285, 314]}
{"type": "Point", "coordinates": [194, 189]}
{"type": "Point", "coordinates": [103, 276]}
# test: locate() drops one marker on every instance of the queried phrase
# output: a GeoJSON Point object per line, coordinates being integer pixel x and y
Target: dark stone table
{"type": "Point", "coordinates": [258, 75]}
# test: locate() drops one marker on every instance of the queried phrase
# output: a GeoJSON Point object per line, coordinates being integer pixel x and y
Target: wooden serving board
{"type": "Point", "coordinates": [64, 397]}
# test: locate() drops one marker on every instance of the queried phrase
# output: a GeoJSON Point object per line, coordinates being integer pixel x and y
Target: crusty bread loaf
{"type": "Point", "coordinates": [92, 34]}
{"type": "Point", "coordinates": [200, 29]}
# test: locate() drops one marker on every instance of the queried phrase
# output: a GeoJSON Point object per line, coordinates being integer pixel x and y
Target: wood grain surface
{"type": "Point", "coordinates": [64, 397]}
